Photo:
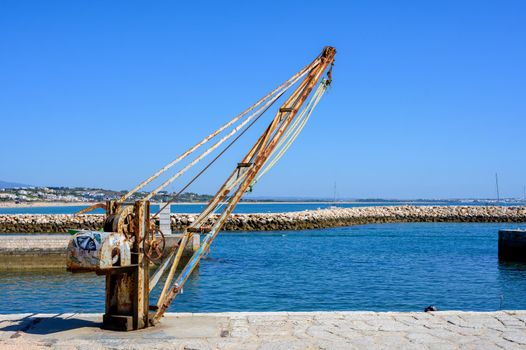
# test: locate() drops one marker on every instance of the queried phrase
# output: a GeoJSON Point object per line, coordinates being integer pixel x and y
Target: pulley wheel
{"type": "Point", "coordinates": [121, 222]}
{"type": "Point", "coordinates": [153, 245]}
{"type": "Point", "coordinates": [124, 222]}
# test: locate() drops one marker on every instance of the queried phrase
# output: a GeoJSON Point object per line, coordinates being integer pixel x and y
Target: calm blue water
{"type": "Point", "coordinates": [403, 267]}
{"type": "Point", "coordinates": [240, 208]}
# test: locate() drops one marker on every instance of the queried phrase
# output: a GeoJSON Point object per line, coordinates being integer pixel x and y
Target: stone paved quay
{"type": "Point", "coordinates": [276, 330]}
{"type": "Point", "coordinates": [32, 223]}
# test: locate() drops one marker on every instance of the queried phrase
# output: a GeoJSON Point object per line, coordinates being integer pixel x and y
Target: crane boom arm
{"type": "Point", "coordinates": [253, 161]}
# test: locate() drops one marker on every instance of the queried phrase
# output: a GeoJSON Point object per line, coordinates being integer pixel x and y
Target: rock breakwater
{"type": "Point", "coordinates": [311, 219]}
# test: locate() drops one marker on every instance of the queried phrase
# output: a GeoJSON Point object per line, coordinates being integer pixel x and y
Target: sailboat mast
{"type": "Point", "coordinates": [497, 185]}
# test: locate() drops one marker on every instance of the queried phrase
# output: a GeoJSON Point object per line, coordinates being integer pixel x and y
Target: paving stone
{"type": "Point", "coordinates": [510, 321]}
{"type": "Point", "coordinates": [325, 330]}
{"type": "Point", "coordinates": [518, 337]}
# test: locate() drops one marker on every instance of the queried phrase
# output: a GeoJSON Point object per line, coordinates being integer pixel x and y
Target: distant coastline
{"type": "Point", "coordinates": [35, 197]}
{"type": "Point", "coordinates": [41, 204]}
{"type": "Point", "coordinates": [38, 204]}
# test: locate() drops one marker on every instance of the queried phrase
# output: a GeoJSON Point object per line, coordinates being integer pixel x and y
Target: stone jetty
{"type": "Point", "coordinates": [274, 330]}
{"type": "Point", "coordinates": [309, 219]}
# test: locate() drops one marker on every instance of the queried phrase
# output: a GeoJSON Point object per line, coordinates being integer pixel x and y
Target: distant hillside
{"type": "Point", "coordinates": [5, 184]}
{"type": "Point", "coordinates": [14, 192]}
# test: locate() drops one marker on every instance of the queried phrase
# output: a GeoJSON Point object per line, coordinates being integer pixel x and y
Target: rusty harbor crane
{"type": "Point", "coordinates": [131, 240]}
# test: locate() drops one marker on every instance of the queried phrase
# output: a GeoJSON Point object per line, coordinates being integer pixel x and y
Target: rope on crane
{"type": "Point", "coordinates": [277, 91]}
{"type": "Point", "coordinates": [293, 132]}
{"type": "Point", "coordinates": [257, 113]}
{"type": "Point", "coordinates": [212, 208]}
{"type": "Point", "coordinates": [256, 159]}
{"type": "Point", "coordinates": [216, 157]}
{"type": "Point", "coordinates": [267, 100]}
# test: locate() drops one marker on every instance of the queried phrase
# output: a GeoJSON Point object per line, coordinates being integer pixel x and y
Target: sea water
{"type": "Point", "coordinates": [380, 267]}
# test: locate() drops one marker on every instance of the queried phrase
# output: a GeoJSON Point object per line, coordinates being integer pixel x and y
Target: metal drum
{"type": "Point", "coordinates": [96, 251]}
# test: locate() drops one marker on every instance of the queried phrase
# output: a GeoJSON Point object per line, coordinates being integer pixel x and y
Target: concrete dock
{"type": "Point", "coordinates": [46, 251]}
{"type": "Point", "coordinates": [275, 330]}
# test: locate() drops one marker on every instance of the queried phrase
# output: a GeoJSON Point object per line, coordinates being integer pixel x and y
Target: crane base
{"type": "Point", "coordinates": [117, 323]}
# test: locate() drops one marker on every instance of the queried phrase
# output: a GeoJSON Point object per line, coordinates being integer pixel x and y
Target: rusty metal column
{"type": "Point", "coordinates": [142, 289]}
{"type": "Point", "coordinates": [127, 289]}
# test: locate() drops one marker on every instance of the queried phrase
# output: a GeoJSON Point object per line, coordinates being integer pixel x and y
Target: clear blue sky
{"type": "Point", "coordinates": [428, 99]}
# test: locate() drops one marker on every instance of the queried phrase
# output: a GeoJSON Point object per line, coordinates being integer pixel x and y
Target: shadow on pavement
{"type": "Point", "coordinates": [33, 324]}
